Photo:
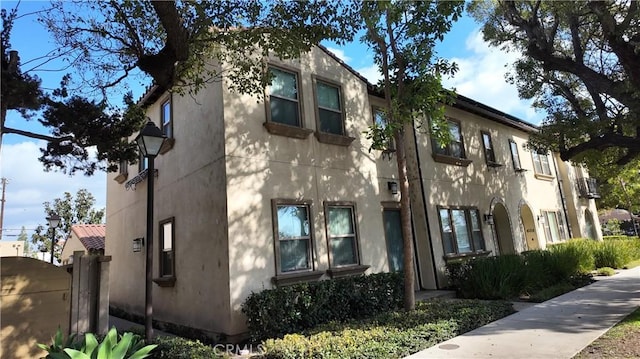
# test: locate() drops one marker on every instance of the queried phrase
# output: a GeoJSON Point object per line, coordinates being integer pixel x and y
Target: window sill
{"type": "Point", "coordinates": [280, 129]}
{"type": "Point", "coordinates": [493, 164]}
{"type": "Point", "coordinates": [462, 256]}
{"type": "Point", "coordinates": [347, 271]}
{"type": "Point", "coordinates": [291, 278]}
{"type": "Point", "coordinates": [462, 162]}
{"type": "Point", "coordinates": [165, 281]}
{"type": "Point", "coordinates": [331, 139]}
{"type": "Point", "coordinates": [544, 177]}
{"type": "Point", "coordinates": [121, 177]}
{"type": "Point", "coordinates": [167, 145]}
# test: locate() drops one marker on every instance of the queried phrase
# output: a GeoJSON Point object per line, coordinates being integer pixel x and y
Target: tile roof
{"type": "Point", "coordinates": [90, 235]}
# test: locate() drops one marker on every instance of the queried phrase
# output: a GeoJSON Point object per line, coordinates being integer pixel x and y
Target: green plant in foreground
{"type": "Point", "coordinates": [127, 346]}
{"type": "Point", "coordinates": [606, 271]}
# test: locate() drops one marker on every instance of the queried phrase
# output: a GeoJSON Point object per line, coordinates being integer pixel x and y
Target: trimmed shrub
{"type": "Point", "coordinates": [498, 277]}
{"type": "Point", "coordinates": [389, 335]}
{"type": "Point", "coordinates": [273, 313]}
{"type": "Point", "coordinates": [580, 249]}
{"type": "Point", "coordinates": [181, 348]}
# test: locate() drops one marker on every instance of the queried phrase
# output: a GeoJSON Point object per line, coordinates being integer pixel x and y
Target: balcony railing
{"type": "Point", "coordinates": [588, 188]}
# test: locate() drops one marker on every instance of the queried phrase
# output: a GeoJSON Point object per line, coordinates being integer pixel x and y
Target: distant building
{"type": "Point", "coordinates": [88, 238]}
{"type": "Point", "coordinates": [11, 248]}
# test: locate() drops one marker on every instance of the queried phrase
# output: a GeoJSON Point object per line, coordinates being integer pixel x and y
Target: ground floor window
{"type": "Point", "coordinates": [460, 230]}
{"type": "Point", "coordinates": [342, 233]}
{"type": "Point", "coordinates": [292, 234]}
{"type": "Point", "coordinates": [393, 235]}
{"type": "Point", "coordinates": [554, 226]}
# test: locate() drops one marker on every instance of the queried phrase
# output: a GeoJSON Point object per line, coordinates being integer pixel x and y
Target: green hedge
{"type": "Point", "coordinates": [273, 313]}
{"type": "Point", "coordinates": [389, 335]}
{"type": "Point", "coordinates": [182, 348]}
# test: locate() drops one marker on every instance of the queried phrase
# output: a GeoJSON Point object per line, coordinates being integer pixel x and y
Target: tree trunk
{"type": "Point", "coordinates": [405, 220]}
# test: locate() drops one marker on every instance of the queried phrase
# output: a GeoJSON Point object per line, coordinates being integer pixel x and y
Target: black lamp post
{"type": "Point", "coordinates": [54, 221]}
{"type": "Point", "coordinates": [149, 141]}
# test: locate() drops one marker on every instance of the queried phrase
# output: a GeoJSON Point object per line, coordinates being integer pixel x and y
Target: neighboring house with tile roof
{"type": "Point", "coordinates": [84, 237]}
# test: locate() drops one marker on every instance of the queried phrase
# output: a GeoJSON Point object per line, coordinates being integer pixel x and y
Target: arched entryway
{"type": "Point", "coordinates": [591, 226]}
{"type": "Point", "coordinates": [502, 226]}
{"type": "Point", "coordinates": [529, 225]}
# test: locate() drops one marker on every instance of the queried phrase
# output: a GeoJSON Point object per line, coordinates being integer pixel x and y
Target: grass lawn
{"type": "Point", "coordinates": [621, 341]}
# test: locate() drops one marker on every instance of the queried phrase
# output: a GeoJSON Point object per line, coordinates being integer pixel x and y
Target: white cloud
{"type": "Point", "coordinates": [29, 186]}
{"type": "Point", "coordinates": [371, 73]}
{"type": "Point", "coordinates": [481, 76]}
{"type": "Point", "coordinates": [340, 53]}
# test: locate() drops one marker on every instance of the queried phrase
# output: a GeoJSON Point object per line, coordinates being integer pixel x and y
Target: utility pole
{"type": "Point", "coordinates": [4, 185]}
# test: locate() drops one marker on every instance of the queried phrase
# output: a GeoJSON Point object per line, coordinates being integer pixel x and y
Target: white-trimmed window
{"type": "Point", "coordinates": [292, 231]}
{"type": "Point", "coordinates": [460, 229]}
{"type": "Point", "coordinates": [380, 119]}
{"type": "Point", "coordinates": [284, 98]}
{"type": "Point", "coordinates": [166, 248]}
{"type": "Point", "coordinates": [342, 234]}
{"type": "Point", "coordinates": [541, 163]}
{"type": "Point", "coordinates": [143, 163]}
{"type": "Point", "coordinates": [329, 105]}
{"type": "Point", "coordinates": [554, 227]}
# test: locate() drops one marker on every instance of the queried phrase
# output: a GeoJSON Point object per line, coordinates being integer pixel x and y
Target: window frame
{"type": "Point", "coordinates": [446, 157]}
{"type": "Point", "coordinates": [539, 170]}
{"type": "Point", "coordinates": [276, 237]}
{"type": "Point", "coordinates": [279, 128]}
{"type": "Point", "coordinates": [123, 171]}
{"type": "Point", "coordinates": [168, 101]}
{"type": "Point", "coordinates": [342, 139]}
{"type": "Point", "coordinates": [161, 249]}
{"type": "Point", "coordinates": [143, 163]}
{"type": "Point", "coordinates": [356, 234]}
{"type": "Point", "coordinates": [390, 145]}
{"type": "Point", "coordinates": [515, 156]}
{"type": "Point", "coordinates": [561, 225]}
{"type": "Point", "coordinates": [489, 153]}
{"type": "Point", "coordinates": [470, 231]}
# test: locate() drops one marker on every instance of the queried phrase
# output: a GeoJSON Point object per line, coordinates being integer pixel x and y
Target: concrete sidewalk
{"type": "Point", "coordinates": [558, 328]}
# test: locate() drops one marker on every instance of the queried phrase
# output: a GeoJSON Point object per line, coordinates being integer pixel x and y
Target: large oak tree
{"type": "Point", "coordinates": [580, 64]}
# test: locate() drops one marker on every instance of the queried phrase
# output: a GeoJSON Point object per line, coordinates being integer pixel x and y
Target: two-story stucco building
{"type": "Point", "coordinates": [255, 193]}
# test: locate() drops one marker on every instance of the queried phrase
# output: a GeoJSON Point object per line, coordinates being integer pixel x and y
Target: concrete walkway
{"type": "Point", "coordinates": [558, 328]}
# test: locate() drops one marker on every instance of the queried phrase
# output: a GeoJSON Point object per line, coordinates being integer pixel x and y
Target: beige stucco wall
{"type": "Point", "coordinates": [261, 167]}
{"type": "Point", "coordinates": [190, 187]}
{"type": "Point", "coordinates": [11, 248]}
{"type": "Point", "coordinates": [481, 186]}
{"type": "Point", "coordinates": [71, 245]}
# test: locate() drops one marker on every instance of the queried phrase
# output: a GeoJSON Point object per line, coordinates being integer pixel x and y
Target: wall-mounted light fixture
{"type": "Point", "coordinates": [393, 187]}
{"type": "Point", "coordinates": [488, 219]}
{"type": "Point", "coordinates": [137, 244]}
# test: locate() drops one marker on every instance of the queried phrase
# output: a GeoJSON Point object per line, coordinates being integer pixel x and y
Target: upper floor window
{"type": "Point", "coordinates": [341, 234]}
{"type": "Point", "coordinates": [292, 234]}
{"type": "Point", "coordinates": [380, 119]}
{"type": "Point", "coordinates": [461, 231]}
{"type": "Point", "coordinates": [541, 163]}
{"type": "Point", "coordinates": [143, 163]}
{"type": "Point", "coordinates": [455, 147]}
{"type": "Point", "coordinates": [284, 98]}
{"type": "Point", "coordinates": [329, 102]}
{"type": "Point", "coordinates": [515, 156]}
{"type": "Point", "coordinates": [489, 152]}
{"type": "Point", "coordinates": [167, 256]}
{"type": "Point", "coordinates": [166, 118]}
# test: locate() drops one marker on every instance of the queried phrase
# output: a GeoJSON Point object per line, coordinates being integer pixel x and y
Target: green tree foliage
{"type": "Point", "coordinates": [72, 210]}
{"type": "Point", "coordinates": [181, 44]}
{"type": "Point", "coordinates": [619, 185]}
{"type": "Point", "coordinates": [580, 64]}
{"type": "Point", "coordinates": [24, 238]}
{"type": "Point", "coordinates": [403, 36]}
{"type": "Point", "coordinates": [77, 124]}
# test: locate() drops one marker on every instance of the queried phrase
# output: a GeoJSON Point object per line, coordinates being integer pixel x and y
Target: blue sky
{"type": "Point", "coordinates": [480, 77]}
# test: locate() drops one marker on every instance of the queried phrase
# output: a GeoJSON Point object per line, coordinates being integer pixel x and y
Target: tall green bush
{"type": "Point", "coordinates": [275, 312]}
{"type": "Point", "coordinates": [614, 253]}
{"type": "Point", "coordinates": [498, 277]}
